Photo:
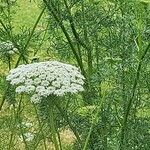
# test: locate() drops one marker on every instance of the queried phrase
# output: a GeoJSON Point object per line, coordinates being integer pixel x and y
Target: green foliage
{"type": "Point", "coordinates": [109, 41]}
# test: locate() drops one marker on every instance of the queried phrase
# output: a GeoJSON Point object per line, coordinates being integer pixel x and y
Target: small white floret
{"type": "Point", "coordinates": [35, 98]}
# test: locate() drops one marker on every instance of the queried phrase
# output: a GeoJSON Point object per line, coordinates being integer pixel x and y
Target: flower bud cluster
{"type": "Point", "coordinates": [45, 78]}
{"type": "Point", "coordinates": [8, 47]}
{"type": "Point", "coordinates": [28, 136]}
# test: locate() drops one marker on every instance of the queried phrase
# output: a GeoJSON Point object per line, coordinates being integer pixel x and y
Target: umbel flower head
{"type": "Point", "coordinates": [8, 48]}
{"type": "Point", "coordinates": [45, 78]}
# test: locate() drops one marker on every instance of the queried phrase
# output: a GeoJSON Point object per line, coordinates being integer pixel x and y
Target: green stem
{"type": "Point", "coordinates": [65, 116]}
{"type": "Point", "coordinates": [86, 45]}
{"type": "Point", "coordinates": [32, 32]}
{"type": "Point", "coordinates": [25, 47]}
{"type": "Point", "coordinates": [53, 128]}
{"type": "Point", "coordinates": [95, 118]}
{"type": "Point", "coordinates": [17, 119]}
{"type": "Point", "coordinates": [43, 39]}
{"type": "Point", "coordinates": [9, 33]}
{"type": "Point", "coordinates": [59, 140]}
{"type": "Point", "coordinates": [40, 127]}
{"type": "Point", "coordinates": [124, 126]}
{"type": "Point", "coordinates": [51, 7]}
{"type": "Point", "coordinates": [10, 141]}
{"type": "Point", "coordinates": [88, 137]}
{"type": "Point", "coordinates": [3, 98]}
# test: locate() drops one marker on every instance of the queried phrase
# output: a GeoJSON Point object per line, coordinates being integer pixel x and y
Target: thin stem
{"type": "Point", "coordinates": [65, 116]}
{"type": "Point", "coordinates": [32, 32]}
{"type": "Point", "coordinates": [40, 127]}
{"type": "Point", "coordinates": [25, 47]}
{"type": "Point", "coordinates": [42, 41]}
{"type": "Point", "coordinates": [95, 118]}
{"type": "Point", "coordinates": [53, 129]}
{"type": "Point", "coordinates": [51, 7]}
{"type": "Point", "coordinates": [18, 117]}
{"type": "Point", "coordinates": [78, 39]}
{"type": "Point", "coordinates": [4, 96]}
{"type": "Point", "coordinates": [8, 32]}
{"type": "Point", "coordinates": [10, 141]}
{"type": "Point", "coordinates": [123, 130]}
{"type": "Point", "coordinates": [59, 140]}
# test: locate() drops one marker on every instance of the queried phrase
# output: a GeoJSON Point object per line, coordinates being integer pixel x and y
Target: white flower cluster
{"type": "Point", "coordinates": [27, 124]}
{"type": "Point", "coordinates": [28, 136]}
{"type": "Point", "coordinates": [8, 47]}
{"type": "Point", "coordinates": [45, 78]}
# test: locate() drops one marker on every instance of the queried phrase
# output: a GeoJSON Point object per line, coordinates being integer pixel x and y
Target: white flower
{"type": "Point", "coordinates": [15, 81]}
{"type": "Point", "coordinates": [43, 93]}
{"type": "Point", "coordinates": [28, 136]}
{"type": "Point", "coordinates": [8, 47]}
{"type": "Point", "coordinates": [30, 88]}
{"type": "Point", "coordinates": [15, 49]}
{"type": "Point", "coordinates": [11, 52]}
{"type": "Point", "coordinates": [72, 90]}
{"type": "Point", "coordinates": [66, 82]}
{"type": "Point", "coordinates": [22, 79]}
{"type": "Point", "coordinates": [77, 87]}
{"type": "Point", "coordinates": [37, 81]}
{"type": "Point", "coordinates": [80, 81]}
{"type": "Point", "coordinates": [29, 82]}
{"type": "Point", "coordinates": [42, 76]}
{"type": "Point", "coordinates": [20, 89]}
{"type": "Point", "coordinates": [40, 88]}
{"type": "Point", "coordinates": [27, 124]}
{"type": "Point", "coordinates": [45, 83]}
{"type": "Point", "coordinates": [45, 78]}
{"type": "Point", "coordinates": [56, 84]}
{"type": "Point", "coordinates": [35, 98]}
{"type": "Point", "coordinates": [59, 92]}
{"type": "Point", "coordinates": [30, 74]}
{"type": "Point", "coordinates": [50, 89]}
{"type": "Point", "coordinates": [50, 77]}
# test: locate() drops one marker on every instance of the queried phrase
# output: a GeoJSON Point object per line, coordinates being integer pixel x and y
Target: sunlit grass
{"type": "Point", "coordinates": [25, 14]}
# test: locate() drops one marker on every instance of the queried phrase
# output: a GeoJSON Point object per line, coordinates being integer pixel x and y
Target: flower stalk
{"type": "Point", "coordinates": [53, 128]}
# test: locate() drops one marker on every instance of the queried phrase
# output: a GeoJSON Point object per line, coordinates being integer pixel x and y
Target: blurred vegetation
{"type": "Point", "coordinates": [109, 40]}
